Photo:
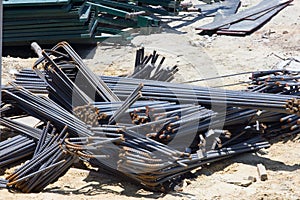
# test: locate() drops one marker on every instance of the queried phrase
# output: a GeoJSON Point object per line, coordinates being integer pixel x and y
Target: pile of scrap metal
{"type": "Point", "coordinates": [151, 132]}
{"type": "Point", "coordinates": [77, 21]}
{"type": "Point", "coordinates": [228, 22]}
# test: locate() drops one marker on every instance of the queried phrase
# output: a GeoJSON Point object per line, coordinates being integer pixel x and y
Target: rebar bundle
{"type": "Point", "coordinates": [151, 132]}
{"type": "Point", "coordinates": [278, 81]}
{"type": "Point", "coordinates": [46, 110]}
{"type": "Point", "coordinates": [146, 68]}
{"type": "Point", "coordinates": [15, 149]}
{"type": "Point", "coordinates": [48, 163]}
{"type": "Point", "coordinates": [205, 96]}
{"type": "Point", "coordinates": [3, 183]}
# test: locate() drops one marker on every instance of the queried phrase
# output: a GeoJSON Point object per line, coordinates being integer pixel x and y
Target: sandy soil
{"type": "Point", "coordinates": [197, 56]}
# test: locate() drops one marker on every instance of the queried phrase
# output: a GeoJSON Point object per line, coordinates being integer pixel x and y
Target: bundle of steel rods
{"type": "Point", "coordinates": [28, 79]}
{"type": "Point", "coordinates": [19, 147]}
{"type": "Point", "coordinates": [163, 91]}
{"type": "Point", "coordinates": [15, 149]}
{"type": "Point", "coordinates": [152, 132]}
{"type": "Point", "coordinates": [145, 67]}
{"type": "Point", "coordinates": [205, 96]}
{"type": "Point", "coordinates": [46, 110]}
{"type": "Point", "coordinates": [48, 163]}
{"type": "Point", "coordinates": [67, 59]}
{"type": "Point", "coordinates": [133, 141]}
{"type": "Point", "coordinates": [21, 128]}
{"type": "Point", "coordinates": [3, 183]}
{"type": "Point", "coordinates": [280, 81]}
{"type": "Point", "coordinates": [151, 163]}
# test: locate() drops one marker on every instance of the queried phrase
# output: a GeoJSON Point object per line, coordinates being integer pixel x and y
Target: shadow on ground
{"type": "Point", "coordinates": [86, 51]}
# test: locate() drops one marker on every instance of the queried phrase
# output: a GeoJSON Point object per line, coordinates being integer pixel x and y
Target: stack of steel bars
{"type": "Point", "coordinates": [164, 91]}
{"type": "Point", "coordinates": [59, 83]}
{"type": "Point", "coordinates": [3, 183]}
{"type": "Point", "coordinates": [275, 81]}
{"type": "Point", "coordinates": [48, 22]}
{"type": "Point", "coordinates": [79, 21]}
{"type": "Point", "coordinates": [146, 68]}
{"type": "Point", "coordinates": [76, 21]}
{"type": "Point", "coordinates": [48, 163]}
{"type": "Point", "coordinates": [280, 81]}
{"type": "Point", "coordinates": [45, 109]}
{"type": "Point", "coordinates": [151, 132]}
{"type": "Point", "coordinates": [29, 80]}
{"type": "Point", "coordinates": [19, 147]}
{"type": "Point", "coordinates": [153, 164]}
{"type": "Point", "coordinates": [130, 141]}
{"type": "Point", "coordinates": [15, 149]}
{"type": "Point", "coordinates": [205, 96]}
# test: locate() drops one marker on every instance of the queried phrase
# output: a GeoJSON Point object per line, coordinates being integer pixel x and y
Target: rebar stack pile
{"type": "Point", "coordinates": [28, 79]}
{"type": "Point", "coordinates": [276, 81]}
{"type": "Point", "coordinates": [163, 91]}
{"type": "Point", "coordinates": [46, 110]}
{"type": "Point", "coordinates": [76, 21]}
{"type": "Point", "coordinates": [152, 132]}
{"type": "Point", "coordinates": [47, 165]}
{"type": "Point", "coordinates": [205, 96]}
{"type": "Point", "coordinates": [16, 148]}
{"type": "Point", "coordinates": [153, 164]}
{"type": "Point", "coordinates": [280, 81]}
{"type": "Point", "coordinates": [19, 147]}
{"type": "Point", "coordinates": [3, 183]}
{"type": "Point", "coordinates": [60, 83]}
{"type": "Point", "coordinates": [146, 68]}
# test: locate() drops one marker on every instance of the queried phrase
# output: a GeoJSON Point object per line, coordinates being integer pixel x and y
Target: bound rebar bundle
{"type": "Point", "coordinates": [151, 132]}
{"type": "Point", "coordinates": [48, 163]}
{"type": "Point", "coordinates": [15, 149]}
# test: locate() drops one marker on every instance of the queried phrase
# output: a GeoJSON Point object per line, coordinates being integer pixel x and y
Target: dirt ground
{"type": "Point", "coordinates": [197, 56]}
